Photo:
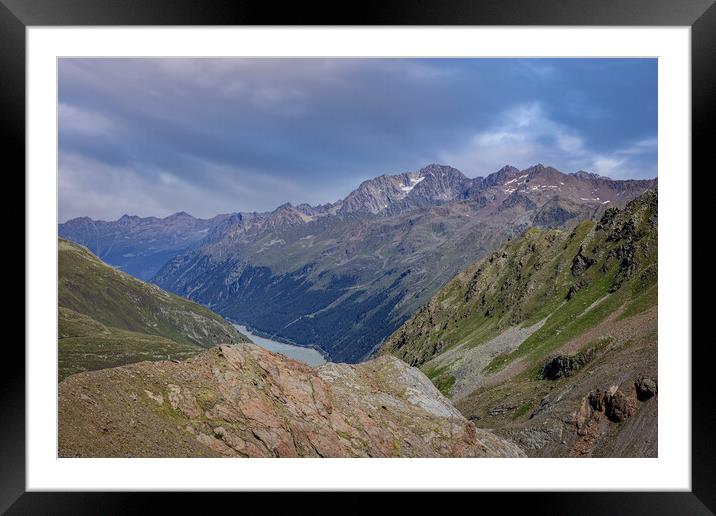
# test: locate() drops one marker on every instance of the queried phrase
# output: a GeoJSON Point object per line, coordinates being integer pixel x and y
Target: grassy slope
{"type": "Point", "coordinates": [607, 265]}
{"type": "Point", "coordinates": [107, 318]}
{"type": "Point", "coordinates": [86, 345]}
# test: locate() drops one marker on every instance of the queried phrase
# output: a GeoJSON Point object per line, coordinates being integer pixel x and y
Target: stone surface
{"type": "Point", "coordinates": [645, 388]}
{"type": "Point", "coordinates": [244, 401]}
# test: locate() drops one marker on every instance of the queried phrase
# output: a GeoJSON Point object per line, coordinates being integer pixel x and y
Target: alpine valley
{"type": "Point", "coordinates": [343, 276]}
{"type": "Point", "coordinates": [137, 380]}
{"type": "Point", "coordinates": [510, 315]}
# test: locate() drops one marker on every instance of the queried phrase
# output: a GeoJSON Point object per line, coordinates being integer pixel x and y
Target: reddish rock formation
{"type": "Point", "coordinates": [245, 401]}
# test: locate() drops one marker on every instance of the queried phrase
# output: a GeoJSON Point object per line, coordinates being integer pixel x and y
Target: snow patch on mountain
{"type": "Point", "coordinates": [413, 182]}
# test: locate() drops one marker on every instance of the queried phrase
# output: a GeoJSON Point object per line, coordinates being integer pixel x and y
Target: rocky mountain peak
{"type": "Point", "coordinates": [395, 193]}
{"type": "Point", "coordinates": [284, 216]}
{"type": "Point", "coordinates": [547, 186]}
{"type": "Point", "coordinates": [437, 169]}
{"type": "Point", "coordinates": [179, 215]}
{"type": "Point", "coordinates": [285, 206]}
{"type": "Point", "coordinates": [139, 245]}
{"type": "Point", "coordinates": [305, 207]}
{"type": "Point", "coordinates": [508, 170]}
{"type": "Point", "coordinates": [78, 224]}
{"type": "Point", "coordinates": [377, 194]}
{"type": "Point", "coordinates": [502, 176]}
{"type": "Point", "coordinates": [583, 174]}
{"type": "Point", "coordinates": [439, 183]}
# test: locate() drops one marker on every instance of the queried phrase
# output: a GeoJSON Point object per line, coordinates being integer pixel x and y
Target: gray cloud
{"type": "Point", "coordinates": [156, 136]}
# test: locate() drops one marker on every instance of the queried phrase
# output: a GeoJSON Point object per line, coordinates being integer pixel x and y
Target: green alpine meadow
{"type": "Point", "coordinates": [107, 318]}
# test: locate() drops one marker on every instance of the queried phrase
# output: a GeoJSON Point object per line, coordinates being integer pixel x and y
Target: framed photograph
{"type": "Point", "coordinates": [413, 250]}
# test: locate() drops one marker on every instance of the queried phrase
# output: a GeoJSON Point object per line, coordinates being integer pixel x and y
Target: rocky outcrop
{"type": "Point", "coordinates": [517, 200]}
{"type": "Point", "coordinates": [563, 366]}
{"type": "Point", "coordinates": [580, 262]}
{"type": "Point", "coordinates": [645, 388]}
{"type": "Point", "coordinates": [611, 402]}
{"type": "Point", "coordinates": [245, 401]}
{"type": "Point", "coordinates": [559, 367]}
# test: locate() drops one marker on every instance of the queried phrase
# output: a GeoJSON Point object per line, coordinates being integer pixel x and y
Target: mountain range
{"type": "Point", "coordinates": [343, 276]}
{"type": "Point", "coordinates": [139, 245]}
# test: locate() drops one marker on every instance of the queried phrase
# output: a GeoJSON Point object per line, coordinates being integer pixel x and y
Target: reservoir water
{"type": "Point", "coordinates": [307, 355]}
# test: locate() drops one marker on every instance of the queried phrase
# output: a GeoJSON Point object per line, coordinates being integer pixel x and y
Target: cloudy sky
{"type": "Point", "coordinates": [209, 136]}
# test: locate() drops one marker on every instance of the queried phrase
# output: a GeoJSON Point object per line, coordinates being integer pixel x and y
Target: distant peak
{"type": "Point", "coordinates": [436, 167]}
{"type": "Point", "coordinates": [436, 170]}
{"type": "Point", "coordinates": [285, 206]}
{"type": "Point", "coordinates": [583, 174]}
{"type": "Point", "coordinates": [505, 174]}
{"type": "Point", "coordinates": [77, 220]}
{"type": "Point", "coordinates": [178, 214]}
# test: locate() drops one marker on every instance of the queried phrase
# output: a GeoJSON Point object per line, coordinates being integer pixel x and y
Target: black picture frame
{"type": "Point", "coordinates": [17, 15]}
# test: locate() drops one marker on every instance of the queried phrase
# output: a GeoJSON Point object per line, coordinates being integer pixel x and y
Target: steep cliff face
{"type": "Point", "coordinates": [375, 195]}
{"type": "Point", "coordinates": [552, 339]}
{"type": "Point", "coordinates": [394, 193]}
{"type": "Point", "coordinates": [244, 401]}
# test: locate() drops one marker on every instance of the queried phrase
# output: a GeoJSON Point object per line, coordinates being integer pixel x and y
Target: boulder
{"type": "Point", "coordinates": [559, 367]}
{"type": "Point", "coordinates": [645, 388]}
{"type": "Point", "coordinates": [617, 407]}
